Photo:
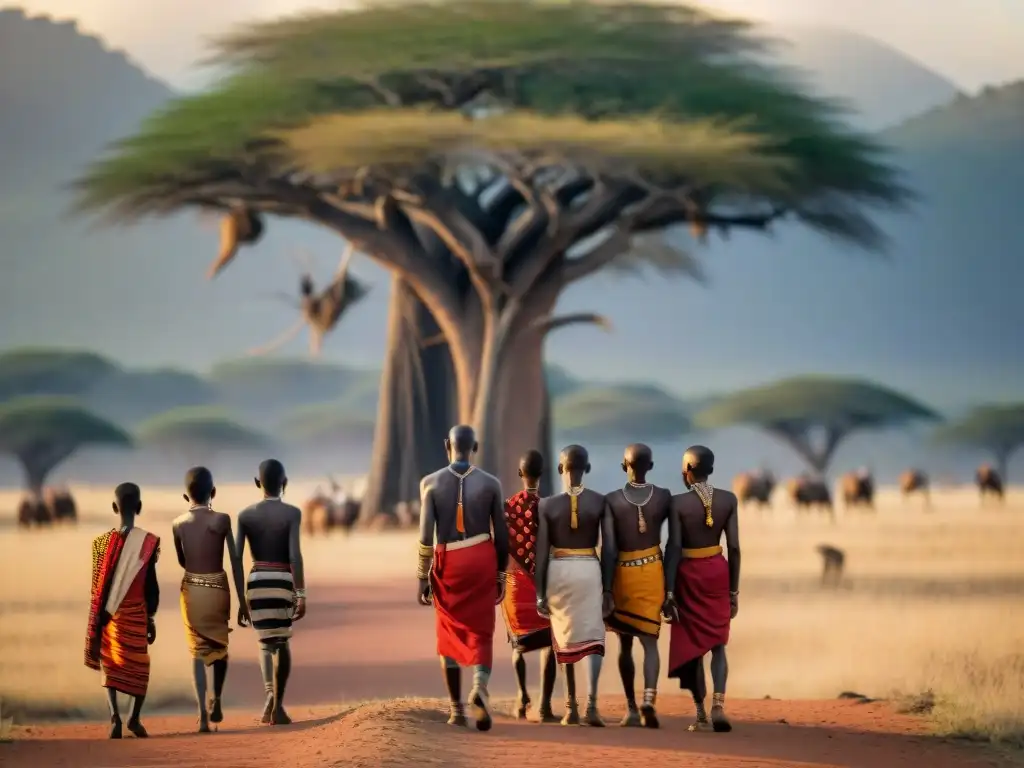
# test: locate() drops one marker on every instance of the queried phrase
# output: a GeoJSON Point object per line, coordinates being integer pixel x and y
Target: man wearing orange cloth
{"type": "Point", "coordinates": [463, 575]}
{"type": "Point", "coordinates": [125, 598]}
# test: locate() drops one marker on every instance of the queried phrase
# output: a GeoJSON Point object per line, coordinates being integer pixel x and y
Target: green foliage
{"type": "Point", "coordinates": [620, 412]}
{"type": "Point", "coordinates": [627, 62]}
{"type": "Point", "coordinates": [323, 424]}
{"type": "Point", "coordinates": [998, 428]}
{"type": "Point", "coordinates": [814, 400]}
{"type": "Point", "coordinates": [40, 371]}
{"type": "Point", "coordinates": [32, 424]}
{"type": "Point", "coordinates": [203, 429]}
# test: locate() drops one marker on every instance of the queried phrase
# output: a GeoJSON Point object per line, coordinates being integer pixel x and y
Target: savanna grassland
{"type": "Point", "coordinates": [929, 612]}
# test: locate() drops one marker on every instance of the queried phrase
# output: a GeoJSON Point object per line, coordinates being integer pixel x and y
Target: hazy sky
{"type": "Point", "coordinates": [972, 42]}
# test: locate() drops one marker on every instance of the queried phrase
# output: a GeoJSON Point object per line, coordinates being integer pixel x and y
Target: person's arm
{"type": "Point", "coordinates": [295, 553]}
{"type": "Point", "coordinates": [235, 558]}
{"type": "Point", "coordinates": [240, 539]}
{"type": "Point", "coordinates": [152, 586]}
{"type": "Point", "coordinates": [179, 547]}
{"type": "Point", "coordinates": [609, 547]}
{"type": "Point", "coordinates": [500, 530]}
{"type": "Point", "coordinates": [542, 555]}
{"type": "Point", "coordinates": [732, 547]}
{"type": "Point", "coordinates": [428, 524]}
{"type": "Point", "coordinates": [673, 547]}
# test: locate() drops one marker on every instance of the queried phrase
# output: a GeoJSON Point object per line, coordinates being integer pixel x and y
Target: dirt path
{"type": "Point", "coordinates": [406, 732]}
{"type": "Point", "coordinates": [373, 643]}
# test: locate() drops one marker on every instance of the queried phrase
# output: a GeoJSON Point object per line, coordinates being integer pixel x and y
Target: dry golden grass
{"type": "Point", "coordinates": [932, 603]}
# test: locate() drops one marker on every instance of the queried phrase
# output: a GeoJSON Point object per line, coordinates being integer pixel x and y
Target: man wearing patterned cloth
{"type": "Point", "coordinates": [527, 629]}
{"type": "Point", "coordinates": [125, 598]}
{"type": "Point", "coordinates": [463, 576]}
{"type": "Point", "coordinates": [706, 587]}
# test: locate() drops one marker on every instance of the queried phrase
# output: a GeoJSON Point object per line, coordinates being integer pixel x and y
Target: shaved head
{"type": "Point", "coordinates": [531, 465]}
{"type": "Point", "coordinates": [461, 442]}
{"type": "Point", "coordinates": [699, 462]}
{"type": "Point", "coordinates": [639, 456]}
{"type": "Point", "coordinates": [128, 499]}
{"type": "Point", "coordinates": [574, 463]}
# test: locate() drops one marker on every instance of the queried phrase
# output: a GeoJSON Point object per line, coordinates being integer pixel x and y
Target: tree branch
{"type": "Point", "coordinates": [550, 323]}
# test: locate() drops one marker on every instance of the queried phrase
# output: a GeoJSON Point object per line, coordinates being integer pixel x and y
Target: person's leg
{"type": "Point", "coordinates": [548, 675]}
{"type": "Point", "coordinates": [267, 670]}
{"type": "Point", "coordinates": [700, 694]}
{"type": "Point", "coordinates": [652, 668]}
{"type": "Point", "coordinates": [199, 684]}
{"type": "Point", "coordinates": [627, 671]}
{"type": "Point", "coordinates": [134, 718]}
{"type": "Point", "coordinates": [479, 697]}
{"type": "Point", "coordinates": [453, 682]}
{"type": "Point", "coordinates": [594, 663]}
{"type": "Point", "coordinates": [115, 714]}
{"type": "Point", "coordinates": [282, 671]}
{"type": "Point", "coordinates": [220, 675]}
{"type": "Point", "coordinates": [719, 677]}
{"type": "Point", "coordinates": [522, 697]}
{"type": "Point", "coordinates": [572, 707]}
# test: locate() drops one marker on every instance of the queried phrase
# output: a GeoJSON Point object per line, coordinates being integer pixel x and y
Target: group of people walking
{"type": "Point", "coordinates": [564, 570]}
{"type": "Point", "coordinates": [126, 594]}
{"type": "Point", "coordinates": [568, 568]}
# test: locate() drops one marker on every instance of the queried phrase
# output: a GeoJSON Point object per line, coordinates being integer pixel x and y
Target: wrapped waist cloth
{"type": "Point", "coordinates": [638, 592]}
{"type": "Point", "coordinates": [463, 581]}
{"type": "Point", "coordinates": [206, 611]}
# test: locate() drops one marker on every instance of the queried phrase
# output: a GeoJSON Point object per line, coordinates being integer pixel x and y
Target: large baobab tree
{"type": "Point", "coordinates": [814, 414]}
{"type": "Point", "coordinates": [488, 164]}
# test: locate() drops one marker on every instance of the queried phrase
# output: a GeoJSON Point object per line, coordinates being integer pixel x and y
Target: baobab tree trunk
{"type": "Point", "coordinates": [416, 409]}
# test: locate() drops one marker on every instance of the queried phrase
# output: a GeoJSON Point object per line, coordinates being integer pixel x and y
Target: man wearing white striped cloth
{"type": "Point", "coordinates": [276, 587]}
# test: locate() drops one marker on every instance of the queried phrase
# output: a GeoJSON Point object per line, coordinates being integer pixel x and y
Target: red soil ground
{"type": "Point", "coordinates": [375, 643]}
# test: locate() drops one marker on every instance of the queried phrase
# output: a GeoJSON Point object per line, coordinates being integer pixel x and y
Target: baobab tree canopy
{"type": "Point", "coordinates": [998, 429]}
{"type": "Point", "coordinates": [795, 409]}
{"type": "Point", "coordinates": [43, 431]}
{"type": "Point", "coordinates": [510, 132]}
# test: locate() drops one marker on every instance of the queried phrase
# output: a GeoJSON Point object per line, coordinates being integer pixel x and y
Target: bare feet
{"type": "Point", "coordinates": [137, 729]}
{"type": "Point", "coordinates": [216, 714]}
{"type": "Point", "coordinates": [632, 717]}
{"type": "Point", "coordinates": [481, 712]}
{"type": "Point", "coordinates": [522, 707]}
{"type": "Point", "coordinates": [268, 710]}
{"type": "Point", "coordinates": [457, 716]}
{"type": "Point", "coordinates": [204, 724]}
{"type": "Point", "coordinates": [593, 717]}
{"type": "Point", "coordinates": [699, 725]}
{"type": "Point", "coordinates": [545, 713]}
{"type": "Point", "coordinates": [649, 716]}
{"type": "Point", "coordinates": [719, 722]}
{"type": "Point", "coordinates": [280, 717]}
{"type": "Point", "coordinates": [572, 714]}
{"type": "Point", "coordinates": [115, 728]}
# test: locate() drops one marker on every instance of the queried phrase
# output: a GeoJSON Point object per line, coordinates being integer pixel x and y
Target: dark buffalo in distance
{"type": "Point", "coordinates": [989, 482]}
{"type": "Point", "coordinates": [808, 492]}
{"type": "Point", "coordinates": [62, 505]}
{"type": "Point", "coordinates": [858, 489]}
{"type": "Point", "coordinates": [754, 487]}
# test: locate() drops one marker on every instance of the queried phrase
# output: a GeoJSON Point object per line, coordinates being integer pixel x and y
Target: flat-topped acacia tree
{"type": "Point", "coordinates": [814, 414]}
{"type": "Point", "coordinates": [997, 429]}
{"type": "Point", "coordinates": [492, 152]}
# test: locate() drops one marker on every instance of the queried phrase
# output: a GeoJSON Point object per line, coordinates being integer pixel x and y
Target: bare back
{"type": "Point", "coordinates": [555, 531]}
{"type": "Point", "coordinates": [626, 519]}
{"type": "Point", "coordinates": [199, 539]}
{"type": "Point", "coordinates": [267, 527]}
{"type": "Point", "coordinates": [694, 532]}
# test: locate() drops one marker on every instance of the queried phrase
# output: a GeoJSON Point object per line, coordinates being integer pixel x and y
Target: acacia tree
{"type": "Point", "coordinates": [44, 431]}
{"type": "Point", "coordinates": [198, 434]}
{"type": "Point", "coordinates": [814, 414]}
{"type": "Point", "coordinates": [997, 429]}
{"type": "Point", "coordinates": [488, 165]}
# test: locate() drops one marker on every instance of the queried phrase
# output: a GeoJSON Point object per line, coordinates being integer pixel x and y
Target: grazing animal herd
{"type": "Point", "coordinates": [324, 512]}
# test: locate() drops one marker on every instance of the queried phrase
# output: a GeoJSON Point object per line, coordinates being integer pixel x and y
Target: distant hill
{"type": "Point", "coordinates": [883, 84]}
{"type": "Point", "coordinates": [936, 320]}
